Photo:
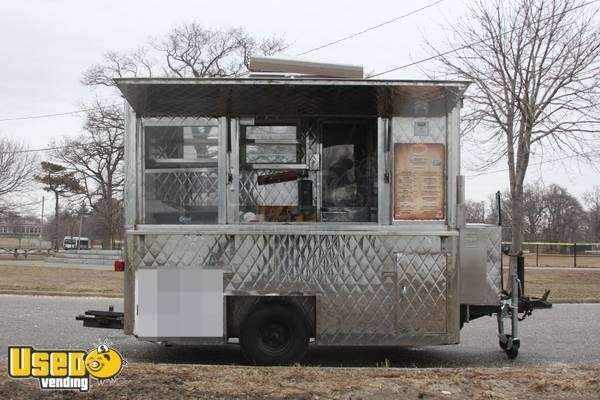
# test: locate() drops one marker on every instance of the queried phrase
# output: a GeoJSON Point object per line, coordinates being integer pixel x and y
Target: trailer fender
{"type": "Point", "coordinates": [239, 307]}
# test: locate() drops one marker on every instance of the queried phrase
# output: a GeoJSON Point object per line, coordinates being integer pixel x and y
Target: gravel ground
{"type": "Point", "coordinates": [568, 334]}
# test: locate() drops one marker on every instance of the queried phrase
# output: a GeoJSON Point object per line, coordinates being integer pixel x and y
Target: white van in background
{"type": "Point", "coordinates": [76, 243]}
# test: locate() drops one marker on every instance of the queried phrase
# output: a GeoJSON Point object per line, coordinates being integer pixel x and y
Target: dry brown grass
{"type": "Point", "coordinates": [149, 381]}
{"type": "Point", "coordinates": [566, 286]}
{"type": "Point", "coordinates": [26, 243]}
{"type": "Point", "coordinates": [60, 281]}
{"type": "Point", "coordinates": [560, 261]}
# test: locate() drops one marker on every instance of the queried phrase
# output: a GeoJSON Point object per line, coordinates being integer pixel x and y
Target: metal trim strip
{"type": "Point", "coordinates": [286, 229]}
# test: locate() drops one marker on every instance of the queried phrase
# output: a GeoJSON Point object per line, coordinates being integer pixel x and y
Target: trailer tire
{"type": "Point", "coordinates": [274, 333]}
{"type": "Point", "coordinates": [513, 352]}
{"type": "Point", "coordinates": [504, 345]}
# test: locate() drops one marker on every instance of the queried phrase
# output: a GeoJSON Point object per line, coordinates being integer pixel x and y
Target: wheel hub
{"type": "Point", "coordinates": [275, 337]}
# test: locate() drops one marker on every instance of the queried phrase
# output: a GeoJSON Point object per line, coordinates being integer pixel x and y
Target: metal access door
{"type": "Point", "coordinates": [422, 306]}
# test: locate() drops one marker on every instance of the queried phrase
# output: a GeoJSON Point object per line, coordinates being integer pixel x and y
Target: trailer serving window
{"type": "Point", "coordinates": [349, 172]}
{"type": "Point", "coordinates": [309, 170]}
{"type": "Point", "coordinates": [181, 174]}
{"type": "Point", "coordinates": [313, 170]}
{"type": "Point", "coordinates": [270, 144]}
{"type": "Point", "coordinates": [272, 164]}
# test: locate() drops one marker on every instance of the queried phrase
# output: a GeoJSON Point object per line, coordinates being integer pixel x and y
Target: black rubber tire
{"type": "Point", "coordinates": [513, 352]}
{"type": "Point", "coordinates": [274, 334]}
{"type": "Point", "coordinates": [505, 344]}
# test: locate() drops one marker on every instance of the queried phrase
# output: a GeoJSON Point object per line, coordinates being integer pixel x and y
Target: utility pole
{"type": "Point", "coordinates": [41, 225]}
{"type": "Point", "coordinates": [80, 226]}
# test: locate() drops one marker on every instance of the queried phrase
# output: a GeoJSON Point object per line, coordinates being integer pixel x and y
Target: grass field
{"type": "Point", "coordinates": [559, 260]}
{"type": "Point", "coordinates": [60, 281]}
{"type": "Point", "coordinates": [148, 381]}
{"type": "Point", "coordinates": [566, 285]}
{"type": "Point", "coordinates": [28, 243]}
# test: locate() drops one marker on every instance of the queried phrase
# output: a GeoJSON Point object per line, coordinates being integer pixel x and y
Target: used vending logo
{"type": "Point", "coordinates": [64, 369]}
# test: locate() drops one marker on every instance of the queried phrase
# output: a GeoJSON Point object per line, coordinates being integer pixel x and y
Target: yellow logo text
{"type": "Point", "coordinates": [64, 369]}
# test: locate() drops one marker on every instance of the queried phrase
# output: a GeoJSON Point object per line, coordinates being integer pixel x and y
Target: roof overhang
{"type": "Point", "coordinates": [245, 97]}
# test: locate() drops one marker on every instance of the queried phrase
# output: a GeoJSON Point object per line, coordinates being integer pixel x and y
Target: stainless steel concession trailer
{"type": "Point", "coordinates": [274, 211]}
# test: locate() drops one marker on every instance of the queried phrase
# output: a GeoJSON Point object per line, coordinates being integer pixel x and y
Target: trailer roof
{"type": "Point", "coordinates": [212, 97]}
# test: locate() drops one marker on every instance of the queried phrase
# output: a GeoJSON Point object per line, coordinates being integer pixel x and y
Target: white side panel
{"type": "Point", "coordinates": [179, 303]}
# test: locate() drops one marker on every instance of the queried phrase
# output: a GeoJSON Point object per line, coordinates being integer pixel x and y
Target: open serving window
{"type": "Point", "coordinates": [294, 152]}
{"type": "Point", "coordinates": [308, 170]}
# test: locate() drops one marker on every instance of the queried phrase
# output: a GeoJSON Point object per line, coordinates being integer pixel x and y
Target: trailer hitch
{"type": "Point", "coordinates": [525, 307]}
{"type": "Point", "coordinates": [102, 319]}
{"type": "Point", "coordinates": [528, 304]}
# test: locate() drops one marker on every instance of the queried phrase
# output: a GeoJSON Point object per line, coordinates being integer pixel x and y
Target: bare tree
{"type": "Point", "coordinates": [534, 209]}
{"type": "Point", "coordinates": [95, 160]}
{"type": "Point", "coordinates": [188, 50]}
{"type": "Point", "coordinates": [192, 50]}
{"type": "Point", "coordinates": [56, 179]}
{"type": "Point", "coordinates": [592, 201]}
{"type": "Point", "coordinates": [535, 68]}
{"type": "Point", "coordinates": [564, 216]}
{"type": "Point", "coordinates": [119, 65]}
{"type": "Point", "coordinates": [475, 212]}
{"type": "Point", "coordinates": [17, 166]}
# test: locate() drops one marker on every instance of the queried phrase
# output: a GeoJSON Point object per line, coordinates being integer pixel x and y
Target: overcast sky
{"type": "Point", "coordinates": [45, 45]}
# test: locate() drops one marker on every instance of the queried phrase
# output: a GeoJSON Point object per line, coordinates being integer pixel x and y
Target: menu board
{"type": "Point", "coordinates": [419, 181]}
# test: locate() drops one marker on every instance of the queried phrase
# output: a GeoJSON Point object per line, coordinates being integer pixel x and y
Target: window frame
{"type": "Point", "coordinates": [244, 142]}
{"type": "Point", "coordinates": [221, 167]}
{"type": "Point", "coordinates": [183, 163]}
{"type": "Point", "coordinates": [379, 151]}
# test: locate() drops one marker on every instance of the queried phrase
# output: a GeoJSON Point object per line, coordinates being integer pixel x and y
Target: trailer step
{"type": "Point", "coordinates": [102, 319]}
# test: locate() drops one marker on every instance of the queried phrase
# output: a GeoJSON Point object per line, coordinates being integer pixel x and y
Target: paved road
{"type": "Point", "coordinates": [568, 333]}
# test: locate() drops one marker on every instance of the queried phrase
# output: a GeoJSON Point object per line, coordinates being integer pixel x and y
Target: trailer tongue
{"type": "Point", "coordinates": [102, 319]}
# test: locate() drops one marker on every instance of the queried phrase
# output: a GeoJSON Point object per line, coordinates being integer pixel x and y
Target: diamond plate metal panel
{"type": "Point", "coordinates": [183, 189]}
{"type": "Point", "coordinates": [422, 281]}
{"type": "Point", "coordinates": [181, 251]}
{"type": "Point", "coordinates": [493, 250]}
{"type": "Point", "coordinates": [357, 278]}
{"type": "Point", "coordinates": [405, 130]}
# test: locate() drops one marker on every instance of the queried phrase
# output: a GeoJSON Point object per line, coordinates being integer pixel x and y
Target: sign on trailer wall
{"type": "Point", "coordinates": [419, 171]}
